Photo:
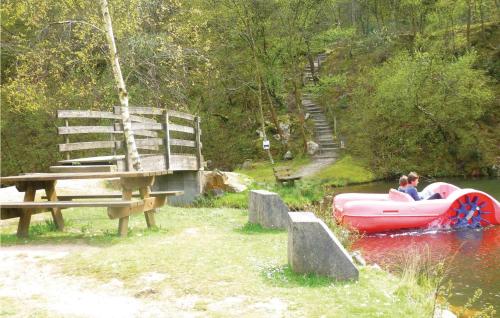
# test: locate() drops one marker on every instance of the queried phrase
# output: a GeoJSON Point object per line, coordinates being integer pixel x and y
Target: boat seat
{"type": "Point", "coordinates": [396, 195]}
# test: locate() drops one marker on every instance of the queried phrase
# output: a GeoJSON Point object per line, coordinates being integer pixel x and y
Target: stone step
{"type": "Point", "coordinates": [328, 144]}
{"type": "Point", "coordinates": [331, 149]}
{"type": "Point", "coordinates": [325, 156]}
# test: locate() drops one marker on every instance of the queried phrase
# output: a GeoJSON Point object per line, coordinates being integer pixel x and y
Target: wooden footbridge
{"type": "Point", "coordinates": [94, 140]}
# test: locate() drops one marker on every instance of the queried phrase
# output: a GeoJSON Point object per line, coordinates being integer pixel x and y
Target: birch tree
{"type": "Point", "coordinates": [122, 90]}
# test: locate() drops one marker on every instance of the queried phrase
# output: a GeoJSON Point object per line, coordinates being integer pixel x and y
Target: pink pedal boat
{"type": "Point", "coordinates": [459, 208]}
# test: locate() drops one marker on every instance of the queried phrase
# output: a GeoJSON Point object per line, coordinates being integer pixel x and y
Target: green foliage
{"type": "Point", "coordinates": [422, 112]}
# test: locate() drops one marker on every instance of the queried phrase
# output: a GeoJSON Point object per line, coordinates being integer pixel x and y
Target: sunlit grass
{"type": "Point", "coordinates": [343, 172]}
{"type": "Point", "coordinates": [213, 254]}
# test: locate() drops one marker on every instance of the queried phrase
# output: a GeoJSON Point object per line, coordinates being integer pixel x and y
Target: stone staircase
{"type": "Point", "coordinates": [328, 148]}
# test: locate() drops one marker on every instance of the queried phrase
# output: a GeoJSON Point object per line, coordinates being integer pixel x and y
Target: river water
{"type": "Point", "coordinates": [472, 256]}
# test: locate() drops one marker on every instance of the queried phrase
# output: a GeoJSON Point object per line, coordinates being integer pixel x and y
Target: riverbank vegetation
{"type": "Point", "coordinates": [310, 192]}
{"type": "Point", "coordinates": [411, 85]}
{"type": "Point", "coordinates": [209, 261]}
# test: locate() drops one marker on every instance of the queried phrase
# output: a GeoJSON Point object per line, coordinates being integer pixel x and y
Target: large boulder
{"type": "Point", "coordinates": [267, 209]}
{"type": "Point", "coordinates": [313, 248]}
{"type": "Point", "coordinates": [217, 182]}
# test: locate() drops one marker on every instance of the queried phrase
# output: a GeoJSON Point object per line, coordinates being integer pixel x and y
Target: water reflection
{"type": "Point", "coordinates": [472, 257]}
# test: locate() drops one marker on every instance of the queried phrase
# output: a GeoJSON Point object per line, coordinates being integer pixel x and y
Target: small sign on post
{"type": "Point", "coordinates": [266, 144]}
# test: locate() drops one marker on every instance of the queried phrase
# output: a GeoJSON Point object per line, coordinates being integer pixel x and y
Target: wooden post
{"type": "Point", "coordinates": [167, 142]}
{"type": "Point", "coordinates": [25, 218]}
{"type": "Point", "coordinates": [66, 139]}
{"type": "Point", "coordinates": [149, 215]}
{"type": "Point", "coordinates": [123, 221]}
{"type": "Point", "coordinates": [50, 191]}
{"type": "Point", "coordinates": [197, 128]}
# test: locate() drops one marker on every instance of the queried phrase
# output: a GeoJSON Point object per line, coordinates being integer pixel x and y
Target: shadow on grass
{"type": "Point", "coordinates": [251, 229]}
{"type": "Point", "coordinates": [46, 233]}
{"type": "Point", "coordinates": [283, 276]}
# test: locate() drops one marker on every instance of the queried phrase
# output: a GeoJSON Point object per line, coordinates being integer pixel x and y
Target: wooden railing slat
{"type": "Point", "coordinates": [86, 130]}
{"type": "Point", "coordinates": [140, 110]}
{"type": "Point", "coordinates": [174, 113]}
{"type": "Point", "coordinates": [89, 145]}
{"type": "Point", "coordinates": [181, 142]}
{"type": "Point", "coordinates": [85, 114]}
{"type": "Point", "coordinates": [180, 128]}
{"type": "Point", "coordinates": [149, 142]}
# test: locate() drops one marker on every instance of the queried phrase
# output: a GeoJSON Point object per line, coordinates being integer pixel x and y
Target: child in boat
{"type": "Point", "coordinates": [411, 188]}
{"type": "Point", "coordinates": [403, 183]}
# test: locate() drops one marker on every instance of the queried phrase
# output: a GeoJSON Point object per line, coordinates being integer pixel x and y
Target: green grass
{"type": "Point", "coordinates": [343, 172]}
{"type": "Point", "coordinates": [305, 194]}
{"type": "Point", "coordinates": [263, 171]}
{"type": "Point", "coordinates": [213, 254]}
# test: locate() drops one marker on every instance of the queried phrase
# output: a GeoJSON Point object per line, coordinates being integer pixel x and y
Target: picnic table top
{"type": "Point", "coordinates": [81, 175]}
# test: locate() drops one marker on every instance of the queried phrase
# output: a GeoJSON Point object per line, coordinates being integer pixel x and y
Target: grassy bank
{"type": "Point", "coordinates": [223, 266]}
{"type": "Point", "coordinates": [306, 193]}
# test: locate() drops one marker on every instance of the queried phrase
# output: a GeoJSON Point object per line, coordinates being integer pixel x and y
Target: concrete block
{"type": "Point", "coordinates": [313, 248]}
{"type": "Point", "coordinates": [267, 209]}
{"type": "Point", "coordinates": [188, 181]}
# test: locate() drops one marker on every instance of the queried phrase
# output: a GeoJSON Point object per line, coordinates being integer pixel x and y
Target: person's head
{"type": "Point", "coordinates": [413, 179]}
{"type": "Point", "coordinates": [403, 181]}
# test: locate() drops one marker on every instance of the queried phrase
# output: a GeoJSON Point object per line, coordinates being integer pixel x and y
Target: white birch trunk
{"type": "Point", "coordinates": [122, 91]}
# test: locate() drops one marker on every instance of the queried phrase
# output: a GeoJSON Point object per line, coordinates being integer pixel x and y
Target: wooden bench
{"type": "Point", "coordinates": [119, 206]}
{"type": "Point", "coordinates": [284, 175]}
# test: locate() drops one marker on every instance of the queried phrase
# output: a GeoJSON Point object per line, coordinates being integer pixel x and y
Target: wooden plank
{"type": "Point", "coordinates": [140, 110]}
{"type": "Point", "coordinates": [141, 119]}
{"type": "Point", "coordinates": [86, 130]}
{"type": "Point", "coordinates": [84, 168]}
{"type": "Point", "coordinates": [173, 113]}
{"type": "Point", "coordinates": [180, 128]}
{"type": "Point", "coordinates": [89, 145]}
{"type": "Point", "coordinates": [85, 114]}
{"type": "Point", "coordinates": [149, 142]}
{"type": "Point", "coordinates": [114, 195]}
{"type": "Point", "coordinates": [146, 126]}
{"type": "Point", "coordinates": [81, 175]}
{"type": "Point", "coordinates": [124, 212]}
{"type": "Point", "coordinates": [90, 160]}
{"type": "Point", "coordinates": [181, 142]}
{"type": "Point", "coordinates": [43, 205]}
{"type": "Point", "coordinates": [136, 132]}
{"type": "Point", "coordinates": [183, 162]}
{"type": "Point", "coordinates": [154, 162]}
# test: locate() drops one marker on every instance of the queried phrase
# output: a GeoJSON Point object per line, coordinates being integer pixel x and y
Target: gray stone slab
{"type": "Point", "coordinates": [188, 181]}
{"type": "Point", "coordinates": [313, 248]}
{"type": "Point", "coordinates": [267, 209]}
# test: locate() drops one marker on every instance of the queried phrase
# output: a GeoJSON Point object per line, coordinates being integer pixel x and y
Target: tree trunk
{"type": "Point", "coordinates": [122, 91]}
{"type": "Point", "coordinates": [469, 19]}
{"type": "Point", "coordinates": [274, 116]}
{"type": "Point", "coordinates": [300, 113]}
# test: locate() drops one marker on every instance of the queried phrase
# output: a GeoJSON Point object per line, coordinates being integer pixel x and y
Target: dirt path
{"type": "Point", "coordinates": [314, 167]}
{"type": "Point", "coordinates": [30, 286]}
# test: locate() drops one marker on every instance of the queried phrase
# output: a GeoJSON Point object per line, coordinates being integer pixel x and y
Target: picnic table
{"type": "Point", "coordinates": [119, 206]}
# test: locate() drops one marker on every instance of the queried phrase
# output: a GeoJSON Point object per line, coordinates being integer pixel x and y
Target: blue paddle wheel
{"type": "Point", "coordinates": [469, 211]}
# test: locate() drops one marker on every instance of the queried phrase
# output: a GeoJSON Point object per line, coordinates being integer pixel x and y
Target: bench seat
{"type": "Point", "coordinates": [284, 175]}
{"type": "Point", "coordinates": [116, 208]}
{"type": "Point", "coordinates": [114, 195]}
